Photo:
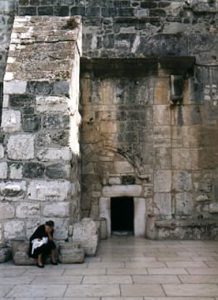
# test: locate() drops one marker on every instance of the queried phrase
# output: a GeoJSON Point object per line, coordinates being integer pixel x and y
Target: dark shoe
{"type": "Point", "coordinates": [54, 263]}
{"type": "Point", "coordinates": [40, 266]}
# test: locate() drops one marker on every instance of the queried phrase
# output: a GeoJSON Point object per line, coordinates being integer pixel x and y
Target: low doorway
{"type": "Point", "coordinates": [122, 215]}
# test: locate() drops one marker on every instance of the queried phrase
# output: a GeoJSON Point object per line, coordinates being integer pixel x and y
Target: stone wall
{"type": "Point", "coordinates": [138, 28]}
{"type": "Point", "coordinates": [149, 107]}
{"type": "Point", "coordinates": [141, 140]}
{"type": "Point", "coordinates": [39, 167]}
{"type": "Point", "coordinates": [7, 11]}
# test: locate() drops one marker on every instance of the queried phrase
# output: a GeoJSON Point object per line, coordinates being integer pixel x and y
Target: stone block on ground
{"type": "Point", "coordinates": [20, 253]}
{"type": "Point", "coordinates": [5, 253]}
{"type": "Point", "coordinates": [85, 233]}
{"type": "Point", "coordinates": [71, 253]}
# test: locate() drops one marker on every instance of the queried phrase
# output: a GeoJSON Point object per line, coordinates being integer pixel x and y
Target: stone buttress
{"type": "Point", "coordinates": [39, 146]}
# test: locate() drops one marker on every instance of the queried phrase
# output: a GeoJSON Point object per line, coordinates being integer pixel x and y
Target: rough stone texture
{"type": "Point", "coordinates": [20, 147]}
{"type": "Point", "coordinates": [11, 120]}
{"type": "Point", "coordinates": [3, 170]}
{"type": "Point", "coordinates": [43, 190]}
{"type": "Point", "coordinates": [56, 210]}
{"type": "Point", "coordinates": [141, 126]}
{"type": "Point", "coordinates": [85, 233]}
{"type": "Point", "coordinates": [71, 253]}
{"type": "Point", "coordinates": [39, 143]}
{"type": "Point", "coordinates": [14, 229]}
{"type": "Point", "coordinates": [20, 253]}
{"type": "Point", "coordinates": [5, 253]}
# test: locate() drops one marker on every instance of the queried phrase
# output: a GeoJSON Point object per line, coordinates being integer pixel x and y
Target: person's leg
{"type": "Point", "coordinates": [53, 257]}
{"type": "Point", "coordinates": [53, 252]}
{"type": "Point", "coordinates": [40, 261]}
{"type": "Point", "coordinates": [49, 249]}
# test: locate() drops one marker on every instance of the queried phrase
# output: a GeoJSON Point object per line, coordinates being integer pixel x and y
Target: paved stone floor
{"type": "Point", "coordinates": [125, 268]}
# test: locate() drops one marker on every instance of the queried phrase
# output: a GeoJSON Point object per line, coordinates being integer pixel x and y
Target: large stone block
{"type": "Point", "coordinates": [61, 228]}
{"type": "Point", "coordinates": [51, 103]}
{"type": "Point", "coordinates": [71, 253]}
{"type": "Point", "coordinates": [182, 159]}
{"type": "Point", "coordinates": [27, 210]}
{"type": "Point", "coordinates": [182, 181]}
{"type": "Point", "coordinates": [15, 87]}
{"type": "Point", "coordinates": [5, 253]}
{"type": "Point", "coordinates": [162, 91]}
{"type": "Point", "coordinates": [162, 181]}
{"type": "Point", "coordinates": [13, 189]}
{"type": "Point", "coordinates": [14, 229]}
{"type": "Point", "coordinates": [20, 253]}
{"type": "Point", "coordinates": [122, 190]}
{"type": "Point", "coordinates": [163, 158]}
{"type": "Point", "coordinates": [55, 154]}
{"type": "Point", "coordinates": [3, 170]}
{"type": "Point", "coordinates": [161, 114]}
{"type": "Point", "coordinates": [184, 204]}
{"type": "Point", "coordinates": [33, 170]}
{"type": "Point", "coordinates": [58, 171]}
{"type": "Point", "coordinates": [162, 204]}
{"type": "Point", "coordinates": [123, 167]}
{"type": "Point", "coordinates": [11, 120]}
{"type": "Point", "coordinates": [15, 171]}
{"type": "Point", "coordinates": [6, 211]}
{"type": "Point", "coordinates": [57, 190]}
{"type": "Point", "coordinates": [213, 208]}
{"type": "Point", "coordinates": [56, 210]}
{"type": "Point", "coordinates": [85, 233]}
{"type": "Point", "coordinates": [21, 147]}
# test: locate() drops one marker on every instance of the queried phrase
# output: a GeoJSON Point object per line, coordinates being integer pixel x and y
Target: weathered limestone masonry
{"type": "Point", "coordinates": [7, 11]}
{"type": "Point", "coordinates": [149, 104]}
{"type": "Point", "coordinates": [39, 148]}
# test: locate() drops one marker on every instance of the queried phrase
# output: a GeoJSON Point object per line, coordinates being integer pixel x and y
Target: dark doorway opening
{"type": "Point", "coordinates": [122, 215]}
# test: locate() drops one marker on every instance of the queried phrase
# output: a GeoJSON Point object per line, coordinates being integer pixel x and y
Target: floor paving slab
{"type": "Point", "coordinates": [141, 290]}
{"type": "Point", "coordinates": [202, 271]}
{"type": "Point", "coordinates": [108, 279]}
{"type": "Point", "coordinates": [74, 298]}
{"type": "Point", "coordinates": [31, 298]}
{"type": "Point", "coordinates": [124, 269]}
{"type": "Point", "coordinates": [5, 289]}
{"type": "Point", "coordinates": [127, 271]}
{"type": "Point", "coordinates": [184, 264]}
{"type": "Point", "coordinates": [122, 298]}
{"type": "Point", "coordinates": [149, 279]}
{"type": "Point", "coordinates": [96, 290]}
{"type": "Point", "coordinates": [148, 264]}
{"type": "Point", "coordinates": [57, 280]}
{"type": "Point", "coordinates": [11, 273]}
{"type": "Point", "coordinates": [195, 290]}
{"type": "Point", "coordinates": [25, 291]}
{"type": "Point", "coordinates": [167, 271]}
{"type": "Point", "coordinates": [16, 280]}
{"type": "Point", "coordinates": [198, 278]}
{"type": "Point", "coordinates": [109, 265]}
{"type": "Point", "coordinates": [178, 298]}
{"type": "Point", "coordinates": [83, 272]}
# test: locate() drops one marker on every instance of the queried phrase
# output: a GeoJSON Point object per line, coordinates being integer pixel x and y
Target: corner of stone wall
{"type": "Point", "coordinates": [39, 152]}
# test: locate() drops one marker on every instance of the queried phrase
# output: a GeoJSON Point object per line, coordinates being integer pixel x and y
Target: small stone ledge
{"type": "Point", "coordinates": [171, 224]}
{"type": "Point", "coordinates": [5, 253]}
{"type": "Point", "coordinates": [203, 229]}
{"type": "Point", "coordinates": [71, 253]}
{"type": "Point", "coordinates": [20, 253]}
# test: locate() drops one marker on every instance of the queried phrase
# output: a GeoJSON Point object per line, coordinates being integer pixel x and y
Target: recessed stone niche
{"type": "Point", "coordinates": [139, 217]}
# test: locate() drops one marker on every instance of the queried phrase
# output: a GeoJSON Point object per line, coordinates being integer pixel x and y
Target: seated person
{"type": "Point", "coordinates": [42, 244]}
